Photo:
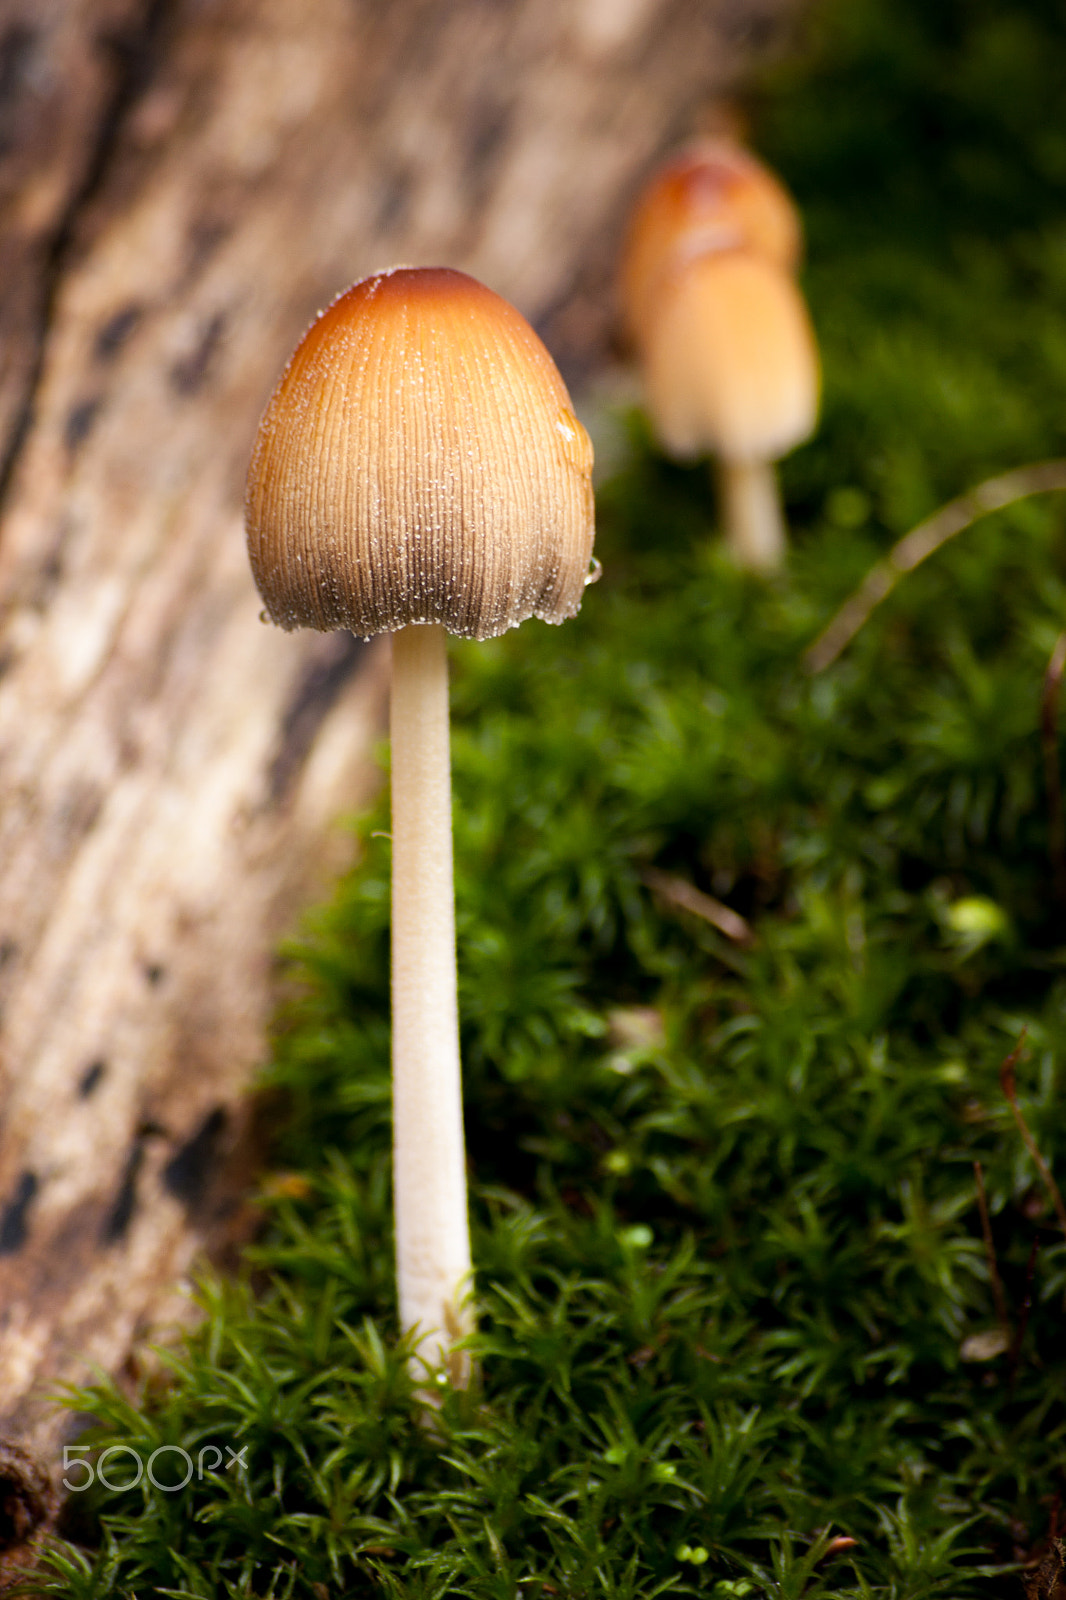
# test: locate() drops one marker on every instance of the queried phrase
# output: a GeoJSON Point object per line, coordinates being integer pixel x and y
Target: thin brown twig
{"type": "Point", "coordinates": [1049, 738]}
{"type": "Point", "coordinates": [678, 892]}
{"type": "Point", "coordinates": [920, 543]}
{"type": "Point", "coordinates": [1002, 1314]}
{"type": "Point", "coordinates": [1009, 1086]}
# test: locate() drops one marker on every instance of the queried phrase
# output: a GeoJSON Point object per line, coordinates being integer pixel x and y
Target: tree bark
{"type": "Point", "coordinates": [183, 184]}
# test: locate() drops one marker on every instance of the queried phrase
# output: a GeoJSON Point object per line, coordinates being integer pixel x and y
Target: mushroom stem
{"type": "Point", "coordinates": [751, 514]}
{"type": "Point", "coordinates": [429, 1174]}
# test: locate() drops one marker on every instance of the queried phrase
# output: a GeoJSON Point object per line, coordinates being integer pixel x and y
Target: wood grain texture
{"type": "Point", "coordinates": [66, 69]}
{"type": "Point", "coordinates": [183, 185]}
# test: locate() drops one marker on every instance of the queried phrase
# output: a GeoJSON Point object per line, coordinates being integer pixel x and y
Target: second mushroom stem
{"type": "Point", "coordinates": [751, 514]}
{"type": "Point", "coordinates": [429, 1170]}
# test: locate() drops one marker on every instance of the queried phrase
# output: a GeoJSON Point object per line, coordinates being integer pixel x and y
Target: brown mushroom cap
{"type": "Point", "coordinates": [420, 462]}
{"type": "Point", "coordinates": [730, 360]}
{"type": "Point", "coordinates": [713, 196]}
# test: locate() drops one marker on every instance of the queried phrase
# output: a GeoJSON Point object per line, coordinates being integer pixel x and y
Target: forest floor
{"type": "Point", "coordinates": [770, 1261]}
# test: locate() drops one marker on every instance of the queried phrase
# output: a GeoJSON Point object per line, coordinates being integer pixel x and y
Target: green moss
{"type": "Point", "coordinates": [724, 1206]}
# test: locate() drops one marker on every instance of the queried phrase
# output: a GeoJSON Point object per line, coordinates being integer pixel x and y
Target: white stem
{"type": "Point", "coordinates": [429, 1170]}
{"type": "Point", "coordinates": [751, 514]}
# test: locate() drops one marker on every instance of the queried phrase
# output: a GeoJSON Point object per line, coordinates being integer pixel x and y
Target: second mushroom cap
{"type": "Point", "coordinates": [731, 363]}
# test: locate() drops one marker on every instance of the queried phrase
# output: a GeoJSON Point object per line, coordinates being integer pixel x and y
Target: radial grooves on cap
{"type": "Point", "coordinates": [731, 363]}
{"type": "Point", "coordinates": [419, 462]}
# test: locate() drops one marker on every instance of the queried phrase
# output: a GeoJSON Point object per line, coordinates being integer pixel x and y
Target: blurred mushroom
{"type": "Point", "coordinates": [731, 367]}
{"type": "Point", "coordinates": [419, 468]}
{"type": "Point", "coordinates": [714, 195]}
{"type": "Point", "coordinates": [722, 332]}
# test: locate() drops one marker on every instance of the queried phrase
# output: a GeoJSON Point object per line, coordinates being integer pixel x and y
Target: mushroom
{"type": "Point", "coordinates": [714, 195]}
{"type": "Point", "coordinates": [722, 332]}
{"type": "Point", "coordinates": [418, 469]}
{"type": "Point", "coordinates": [731, 366]}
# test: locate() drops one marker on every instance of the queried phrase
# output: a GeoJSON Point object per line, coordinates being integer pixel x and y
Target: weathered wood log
{"type": "Point", "coordinates": [185, 182]}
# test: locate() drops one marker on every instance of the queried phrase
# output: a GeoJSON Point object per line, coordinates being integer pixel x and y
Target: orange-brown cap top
{"type": "Point", "coordinates": [730, 360]}
{"type": "Point", "coordinates": [420, 461]}
{"type": "Point", "coordinates": [713, 196]}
